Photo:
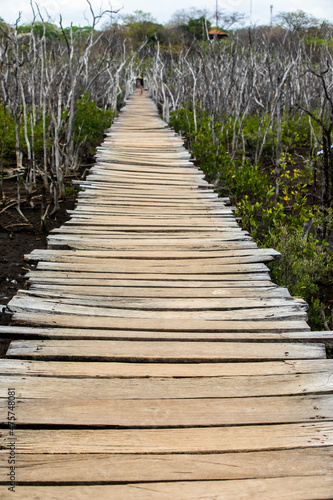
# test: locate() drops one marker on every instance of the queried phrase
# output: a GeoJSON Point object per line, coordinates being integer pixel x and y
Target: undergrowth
{"type": "Point", "coordinates": [275, 207]}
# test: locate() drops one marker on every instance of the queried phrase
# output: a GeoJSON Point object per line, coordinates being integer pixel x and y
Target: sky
{"type": "Point", "coordinates": [77, 11]}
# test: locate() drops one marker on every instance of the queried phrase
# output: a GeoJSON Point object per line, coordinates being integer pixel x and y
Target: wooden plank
{"type": "Point", "coordinates": [47, 468]}
{"type": "Point", "coordinates": [88, 199]}
{"type": "Point", "coordinates": [187, 240]}
{"type": "Point", "coordinates": [164, 292]}
{"type": "Point", "coordinates": [148, 198]}
{"type": "Point", "coordinates": [155, 279]}
{"type": "Point", "coordinates": [194, 192]}
{"type": "Point", "coordinates": [21, 303]}
{"type": "Point", "coordinates": [88, 210]}
{"type": "Point", "coordinates": [178, 440]}
{"type": "Point", "coordinates": [56, 388]}
{"type": "Point", "coordinates": [100, 317]}
{"type": "Point", "coordinates": [58, 278]}
{"type": "Point", "coordinates": [167, 255]}
{"type": "Point", "coordinates": [97, 369]}
{"type": "Point", "coordinates": [286, 488]}
{"type": "Point", "coordinates": [129, 170]}
{"type": "Point", "coordinates": [325, 337]}
{"type": "Point", "coordinates": [146, 267]}
{"type": "Point", "coordinates": [163, 350]}
{"type": "Point", "coordinates": [147, 180]}
{"type": "Point", "coordinates": [130, 413]}
{"type": "Point", "coordinates": [107, 224]}
{"type": "Point", "coordinates": [145, 233]}
{"type": "Point", "coordinates": [88, 213]}
{"type": "Point", "coordinates": [164, 303]}
{"type": "Point", "coordinates": [102, 244]}
{"type": "Point", "coordinates": [162, 324]}
{"type": "Point", "coordinates": [207, 264]}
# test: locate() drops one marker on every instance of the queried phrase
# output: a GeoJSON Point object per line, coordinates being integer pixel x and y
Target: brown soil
{"type": "Point", "coordinates": [18, 238]}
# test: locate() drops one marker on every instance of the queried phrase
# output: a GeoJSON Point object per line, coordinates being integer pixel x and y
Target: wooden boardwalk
{"type": "Point", "coordinates": [154, 358]}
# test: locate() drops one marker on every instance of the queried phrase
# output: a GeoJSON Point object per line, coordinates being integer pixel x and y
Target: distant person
{"type": "Point", "coordinates": [139, 84]}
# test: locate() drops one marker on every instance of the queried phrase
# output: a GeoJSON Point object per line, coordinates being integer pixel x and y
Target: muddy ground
{"type": "Point", "coordinates": [18, 237]}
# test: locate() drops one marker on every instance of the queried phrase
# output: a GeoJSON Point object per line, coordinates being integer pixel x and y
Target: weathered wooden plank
{"type": "Point", "coordinates": [128, 169]}
{"type": "Point", "coordinates": [58, 278]}
{"type": "Point", "coordinates": [84, 468]}
{"type": "Point", "coordinates": [101, 244]}
{"type": "Point", "coordinates": [164, 292]}
{"type": "Point", "coordinates": [170, 412]}
{"type": "Point", "coordinates": [97, 369]}
{"type": "Point", "coordinates": [106, 223]}
{"type": "Point", "coordinates": [286, 488]}
{"type": "Point", "coordinates": [56, 388]}
{"type": "Point", "coordinates": [165, 146]}
{"type": "Point", "coordinates": [86, 210]}
{"type": "Point", "coordinates": [163, 350]}
{"type": "Point", "coordinates": [145, 232]}
{"type": "Point", "coordinates": [168, 279]}
{"type": "Point", "coordinates": [161, 324]}
{"type": "Point", "coordinates": [175, 240]}
{"type": "Point", "coordinates": [164, 303]}
{"type": "Point", "coordinates": [178, 440]}
{"type": "Point", "coordinates": [325, 337]}
{"type": "Point", "coordinates": [149, 197]}
{"type": "Point", "coordinates": [88, 199]}
{"type": "Point", "coordinates": [146, 254]}
{"type": "Point", "coordinates": [193, 192]}
{"type": "Point", "coordinates": [147, 180]}
{"type": "Point", "coordinates": [207, 264]}
{"type": "Point", "coordinates": [22, 303]}
{"type": "Point", "coordinates": [161, 151]}
{"type": "Point", "coordinates": [90, 214]}
{"type": "Point", "coordinates": [146, 267]}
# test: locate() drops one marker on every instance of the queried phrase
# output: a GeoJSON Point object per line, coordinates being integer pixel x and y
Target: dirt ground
{"type": "Point", "coordinates": [18, 238]}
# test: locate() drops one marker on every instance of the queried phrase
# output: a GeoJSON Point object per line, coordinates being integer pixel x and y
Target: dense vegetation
{"type": "Point", "coordinates": [256, 110]}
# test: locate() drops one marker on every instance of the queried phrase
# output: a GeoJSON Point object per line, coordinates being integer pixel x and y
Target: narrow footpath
{"type": "Point", "coordinates": [153, 357]}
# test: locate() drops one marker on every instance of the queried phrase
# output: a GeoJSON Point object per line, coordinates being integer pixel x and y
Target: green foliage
{"type": "Point", "coordinates": [208, 147]}
{"type": "Point", "coordinates": [78, 32]}
{"type": "Point", "coordinates": [307, 261]}
{"type": "Point", "coordinates": [90, 123]}
{"type": "Point", "coordinates": [139, 16]}
{"type": "Point", "coordinates": [7, 132]}
{"type": "Point", "coordinates": [52, 32]}
{"type": "Point", "coordinates": [7, 129]}
{"type": "Point", "coordinates": [72, 191]}
{"type": "Point", "coordinates": [297, 21]}
{"type": "Point", "coordinates": [4, 26]}
{"type": "Point", "coordinates": [197, 28]}
{"type": "Point", "coordinates": [141, 27]}
{"type": "Point", "coordinates": [295, 131]}
{"type": "Point", "coordinates": [245, 178]}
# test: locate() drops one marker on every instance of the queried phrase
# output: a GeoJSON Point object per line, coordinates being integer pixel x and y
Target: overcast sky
{"type": "Point", "coordinates": [75, 10]}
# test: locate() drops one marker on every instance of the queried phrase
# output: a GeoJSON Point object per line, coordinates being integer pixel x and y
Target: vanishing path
{"type": "Point", "coordinates": [154, 358]}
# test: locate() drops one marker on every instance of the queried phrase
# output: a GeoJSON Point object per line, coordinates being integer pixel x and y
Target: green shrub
{"type": "Point", "coordinates": [7, 131]}
{"type": "Point", "coordinates": [307, 261]}
{"type": "Point", "coordinates": [90, 123]}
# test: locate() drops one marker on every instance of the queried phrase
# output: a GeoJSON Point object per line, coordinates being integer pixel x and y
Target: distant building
{"type": "Point", "coordinates": [217, 34]}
